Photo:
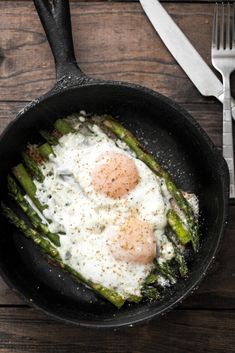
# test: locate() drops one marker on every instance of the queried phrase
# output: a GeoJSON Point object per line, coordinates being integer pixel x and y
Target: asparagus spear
{"type": "Point", "coordinates": [36, 221]}
{"type": "Point", "coordinates": [27, 184]}
{"type": "Point", "coordinates": [151, 279]}
{"type": "Point", "coordinates": [33, 168]}
{"type": "Point", "coordinates": [50, 250]}
{"type": "Point", "coordinates": [178, 227]}
{"type": "Point", "coordinates": [190, 217]}
{"type": "Point", "coordinates": [30, 232]}
{"type": "Point", "coordinates": [52, 140]}
{"type": "Point", "coordinates": [63, 126]}
{"type": "Point", "coordinates": [179, 257]}
{"type": "Point", "coordinates": [126, 136]}
{"type": "Point", "coordinates": [107, 293]}
{"type": "Point", "coordinates": [45, 150]}
{"type": "Point", "coordinates": [166, 271]}
{"type": "Point", "coordinates": [150, 292]}
{"type": "Point", "coordinates": [134, 298]}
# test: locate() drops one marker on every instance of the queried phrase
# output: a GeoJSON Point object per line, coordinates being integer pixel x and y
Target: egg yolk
{"type": "Point", "coordinates": [116, 176]}
{"type": "Point", "coordinates": [135, 242]}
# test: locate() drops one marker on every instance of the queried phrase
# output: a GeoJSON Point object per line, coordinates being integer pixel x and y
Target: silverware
{"type": "Point", "coordinates": [183, 51]}
{"type": "Point", "coordinates": [223, 59]}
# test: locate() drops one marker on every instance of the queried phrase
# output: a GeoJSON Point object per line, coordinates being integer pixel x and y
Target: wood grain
{"type": "Point", "coordinates": [8, 296]}
{"type": "Point", "coordinates": [27, 331]}
{"type": "Point", "coordinates": [163, 1]}
{"type": "Point", "coordinates": [112, 41]}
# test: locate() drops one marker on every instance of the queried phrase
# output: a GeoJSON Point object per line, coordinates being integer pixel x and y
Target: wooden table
{"type": "Point", "coordinates": [114, 40]}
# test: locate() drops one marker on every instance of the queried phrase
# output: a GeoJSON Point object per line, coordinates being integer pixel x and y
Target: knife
{"type": "Point", "coordinates": [182, 50]}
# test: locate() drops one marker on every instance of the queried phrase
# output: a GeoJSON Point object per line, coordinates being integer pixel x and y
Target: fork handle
{"type": "Point", "coordinates": [228, 151]}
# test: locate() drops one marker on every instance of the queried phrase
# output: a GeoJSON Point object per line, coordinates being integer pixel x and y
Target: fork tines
{"type": "Point", "coordinates": [223, 26]}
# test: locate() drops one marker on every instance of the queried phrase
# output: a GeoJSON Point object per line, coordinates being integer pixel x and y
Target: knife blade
{"type": "Point", "coordinates": [183, 51]}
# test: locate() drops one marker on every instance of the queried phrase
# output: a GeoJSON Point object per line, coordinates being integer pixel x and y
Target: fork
{"type": "Point", "coordinates": [223, 59]}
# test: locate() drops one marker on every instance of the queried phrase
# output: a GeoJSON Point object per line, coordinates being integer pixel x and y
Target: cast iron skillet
{"type": "Point", "coordinates": [166, 129]}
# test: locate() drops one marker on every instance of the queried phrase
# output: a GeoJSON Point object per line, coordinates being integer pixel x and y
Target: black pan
{"type": "Point", "coordinates": [167, 130]}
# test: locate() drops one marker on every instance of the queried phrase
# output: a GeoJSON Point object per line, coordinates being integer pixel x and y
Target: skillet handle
{"type": "Point", "coordinates": [56, 21]}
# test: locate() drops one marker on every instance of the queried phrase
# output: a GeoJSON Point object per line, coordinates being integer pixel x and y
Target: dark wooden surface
{"type": "Point", "coordinates": [114, 40]}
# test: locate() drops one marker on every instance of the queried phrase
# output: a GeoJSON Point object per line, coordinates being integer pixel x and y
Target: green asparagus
{"type": "Point", "coordinates": [36, 221]}
{"type": "Point", "coordinates": [63, 126]}
{"type": "Point", "coordinates": [190, 217]}
{"type": "Point", "coordinates": [134, 298]}
{"type": "Point", "coordinates": [107, 293]}
{"type": "Point", "coordinates": [148, 290]}
{"type": "Point", "coordinates": [52, 140]}
{"type": "Point", "coordinates": [151, 279]}
{"type": "Point", "coordinates": [30, 232]}
{"type": "Point", "coordinates": [179, 257]}
{"type": "Point", "coordinates": [32, 167]}
{"type": "Point", "coordinates": [165, 269]}
{"type": "Point", "coordinates": [27, 184]}
{"type": "Point", "coordinates": [150, 293]}
{"type": "Point", "coordinates": [126, 136]}
{"type": "Point", "coordinates": [178, 227]}
{"type": "Point", "coordinates": [45, 150]}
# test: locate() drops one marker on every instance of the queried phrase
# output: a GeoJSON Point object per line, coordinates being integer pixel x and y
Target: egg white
{"type": "Point", "coordinates": [88, 219]}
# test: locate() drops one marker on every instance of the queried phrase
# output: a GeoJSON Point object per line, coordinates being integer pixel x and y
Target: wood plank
{"type": "Point", "coordinates": [27, 331]}
{"type": "Point", "coordinates": [103, 36]}
{"type": "Point", "coordinates": [176, 1]}
{"type": "Point", "coordinates": [8, 296]}
{"type": "Point", "coordinates": [112, 41]}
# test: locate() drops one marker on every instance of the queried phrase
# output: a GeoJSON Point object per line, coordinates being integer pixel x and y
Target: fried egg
{"type": "Point", "coordinates": [108, 206]}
